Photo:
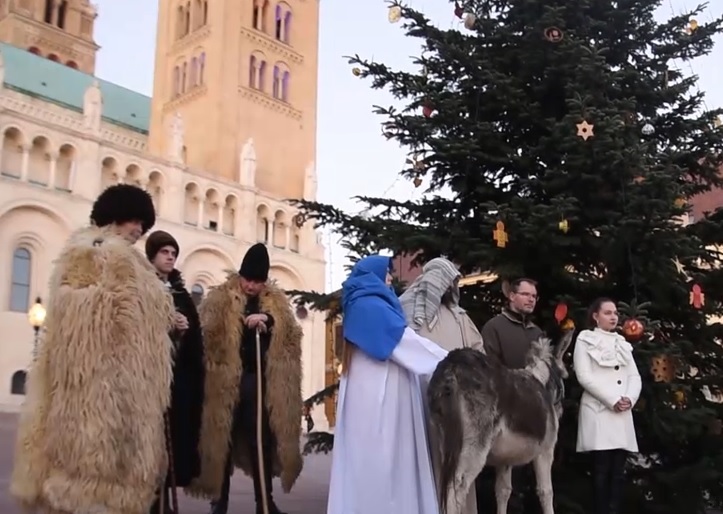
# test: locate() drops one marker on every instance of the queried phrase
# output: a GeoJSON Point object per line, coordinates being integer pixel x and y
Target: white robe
{"type": "Point", "coordinates": [381, 462]}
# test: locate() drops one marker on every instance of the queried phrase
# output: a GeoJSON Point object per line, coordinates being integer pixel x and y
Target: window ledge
{"type": "Point", "coordinates": [269, 102]}
{"type": "Point", "coordinates": [270, 44]}
{"type": "Point", "coordinates": [192, 38]}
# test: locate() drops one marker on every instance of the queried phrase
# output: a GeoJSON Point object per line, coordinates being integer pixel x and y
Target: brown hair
{"type": "Point", "coordinates": [594, 309]}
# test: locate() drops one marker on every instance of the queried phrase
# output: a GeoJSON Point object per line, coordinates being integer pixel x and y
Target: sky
{"type": "Point", "coordinates": [352, 156]}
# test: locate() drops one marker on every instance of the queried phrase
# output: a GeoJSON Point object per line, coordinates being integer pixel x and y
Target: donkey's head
{"type": "Point", "coordinates": [544, 361]}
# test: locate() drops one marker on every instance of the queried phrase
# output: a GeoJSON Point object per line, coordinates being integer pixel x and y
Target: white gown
{"type": "Point", "coordinates": [381, 462]}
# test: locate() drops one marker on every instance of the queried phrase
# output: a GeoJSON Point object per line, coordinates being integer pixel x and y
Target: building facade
{"type": "Point", "coordinates": [230, 83]}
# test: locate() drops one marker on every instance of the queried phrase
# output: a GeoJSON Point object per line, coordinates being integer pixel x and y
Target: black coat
{"type": "Point", "coordinates": [187, 388]}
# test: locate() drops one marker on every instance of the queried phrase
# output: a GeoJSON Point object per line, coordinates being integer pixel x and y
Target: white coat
{"type": "Point", "coordinates": [606, 370]}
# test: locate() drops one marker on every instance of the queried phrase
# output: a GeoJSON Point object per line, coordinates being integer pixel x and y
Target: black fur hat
{"type": "Point", "coordinates": [121, 203]}
{"type": "Point", "coordinates": [256, 264]}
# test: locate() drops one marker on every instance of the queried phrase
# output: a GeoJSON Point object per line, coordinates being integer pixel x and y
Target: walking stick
{"type": "Point", "coordinates": [259, 424]}
{"type": "Point", "coordinates": [171, 466]}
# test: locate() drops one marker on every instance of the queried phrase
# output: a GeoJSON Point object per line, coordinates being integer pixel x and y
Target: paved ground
{"type": "Point", "coordinates": [308, 496]}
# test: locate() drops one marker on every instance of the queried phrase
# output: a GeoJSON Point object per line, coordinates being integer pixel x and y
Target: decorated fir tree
{"type": "Point", "coordinates": [557, 140]}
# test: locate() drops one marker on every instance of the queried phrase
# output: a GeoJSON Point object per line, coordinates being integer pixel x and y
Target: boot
{"type": "Point", "coordinates": [601, 482]}
{"type": "Point", "coordinates": [220, 506]}
{"type": "Point", "coordinates": [268, 476]}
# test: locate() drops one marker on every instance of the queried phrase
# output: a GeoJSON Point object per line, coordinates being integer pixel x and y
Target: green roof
{"type": "Point", "coordinates": [37, 76]}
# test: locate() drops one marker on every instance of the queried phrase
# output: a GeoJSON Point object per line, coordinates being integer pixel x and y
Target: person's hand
{"type": "Point", "coordinates": [623, 404]}
{"type": "Point", "coordinates": [261, 327]}
{"type": "Point", "coordinates": [253, 321]}
{"type": "Point", "coordinates": [181, 322]}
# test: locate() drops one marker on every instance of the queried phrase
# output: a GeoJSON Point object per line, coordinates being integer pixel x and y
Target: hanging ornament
{"type": "Point", "coordinates": [638, 179]}
{"type": "Point", "coordinates": [697, 297]}
{"type": "Point", "coordinates": [458, 11]}
{"type": "Point", "coordinates": [648, 130]}
{"type": "Point", "coordinates": [585, 130]}
{"type": "Point", "coordinates": [417, 181]}
{"type": "Point", "coordinates": [560, 312]}
{"type": "Point", "coordinates": [692, 26]}
{"type": "Point", "coordinates": [633, 330]}
{"type": "Point", "coordinates": [356, 72]}
{"type": "Point", "coordinates": [718, 121]}
{"type": "Point", "coordinates": [662, 368]}
{"type": "Point", "coordinates": [427, 110]}
{"type": "Point", "coordinates": [553, 34]}
{"type": "Point", "coordinates": [564, 226]}
{"type": "Point", "coordinates": [500, 235]}
{"type": "Point", "coordinates": [679, 397]}
{"type": "Point", "coordinates": [568, 325]}
{"type": "Point", "coordinates": [680, 269]}
{"type": "Point", "coordinates": [469, 21]}
{"type": "Point", "coordinates": [394, 14]}
{"type": "Point", "coordinates": [679, 203]}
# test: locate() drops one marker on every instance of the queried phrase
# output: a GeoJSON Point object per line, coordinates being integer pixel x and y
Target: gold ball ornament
{"type": "Point", "coordinates": [356, 72]}
{"type": "Point", "coordinates": [394, 14]}
{"type": "Point", "coordinates": [564, 226]}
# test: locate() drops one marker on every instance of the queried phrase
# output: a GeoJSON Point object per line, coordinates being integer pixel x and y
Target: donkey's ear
{"type": "Point", "coordinates": [560, 348]}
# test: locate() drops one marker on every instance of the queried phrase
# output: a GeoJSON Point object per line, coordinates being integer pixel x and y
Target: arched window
{"type": "Point", "coordinates": [252, 71]}
{"type": "Point", "coordinates": [194, 72]}
{"type": "Point", "coordinates": [285, 86]}
{"type": "Point", "coordinates": [276, 86]}
{"type": "Point", "coordinates": [256, 16]}
{"type": "Point", "coordinates": [17, 382]}
{"type": "Point", "coordinates": [197, 294]}
{"type": "Point", "coordinates": [201, 68]}
{"type": "Point", "coordinates": [278, 23]}
{"type": "Point", "coordinates": [20, 281]}
{"type": "Point", "coordinates": [187, 21]}
{"type": "Point", "coordinates": [205, 12]}
{"type": "Point", "coordinates": [180, 22]}
{"type": "Point", "coordinates": [48, 11]}
{"type": "Point", "coordinates": [62, 11]}
{"type": "Point", "coordinates": [262, 76]}
{"type": "Point", "coordinates": [287, 27]}
{"type": "Point", "coordinates": [184, 74]}
{"type": "Point", "coordinates": [176, 81]}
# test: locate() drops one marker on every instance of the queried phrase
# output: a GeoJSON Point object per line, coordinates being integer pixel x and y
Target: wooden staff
{"type": "Point", "coordinates": [171, 466]}
{"type": "Point", "coordinates": [259, 424]}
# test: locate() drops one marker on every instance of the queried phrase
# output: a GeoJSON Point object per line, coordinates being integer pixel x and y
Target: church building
{"type": "Point", "coordinates": [227, 138]}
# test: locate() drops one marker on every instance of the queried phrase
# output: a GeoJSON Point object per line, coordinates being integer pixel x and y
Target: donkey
{"type": "Point", "coordinates": [483, 413]}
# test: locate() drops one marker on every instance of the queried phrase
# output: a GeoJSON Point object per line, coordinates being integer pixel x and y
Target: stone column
{"type": "Point", "coordinates": [199, 221]}
{"type": "Point", "coordinates": [53, 168]}
{"type": "Point", "coordinates": [26, 160]}
{"type": "Point", "coordinates": [219, 227]}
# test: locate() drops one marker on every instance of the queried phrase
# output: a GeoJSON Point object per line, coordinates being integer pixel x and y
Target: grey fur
{"type": "Point", "coordinates": [486, 414]}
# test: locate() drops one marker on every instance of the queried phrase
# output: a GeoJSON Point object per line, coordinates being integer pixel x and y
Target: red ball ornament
{"type": "Point", "coordinates": [633, 330]}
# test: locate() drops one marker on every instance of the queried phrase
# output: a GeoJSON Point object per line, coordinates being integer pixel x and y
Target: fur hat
{"type": "Point", "coordinates": [256, 264]}
{"type": "Point", "coordinates": [158, 240]}
{"type": "Point", "coordinates": [121, 203]}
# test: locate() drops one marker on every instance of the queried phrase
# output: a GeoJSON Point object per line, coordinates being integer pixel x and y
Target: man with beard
{"type": "Point", "coordinates": [91, 435]}
{"type": "Point", "coordinates": [184, 415]}
{"type": "Point", "coordinates": [431, 307]}
{"type": "Point", "coordinates": [245, 320]}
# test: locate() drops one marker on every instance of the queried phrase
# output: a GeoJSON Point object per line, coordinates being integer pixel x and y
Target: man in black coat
{"type": "Point", "coordinates": [188, 369]}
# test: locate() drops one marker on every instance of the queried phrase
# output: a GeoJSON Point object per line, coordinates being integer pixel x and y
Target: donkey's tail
{"type": "Point", "coordinates": [446, 418]}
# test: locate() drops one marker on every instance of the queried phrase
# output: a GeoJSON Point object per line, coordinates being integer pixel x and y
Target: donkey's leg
{"type": "Point", "coordinates": [543, 476]}
{"type": "Point", "coordinates": [503, 487]}
{"type": "Point", "coordinates": [471, 461]}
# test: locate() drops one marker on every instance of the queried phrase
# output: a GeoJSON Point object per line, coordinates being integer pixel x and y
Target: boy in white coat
{"type": "Point", "coordinates": [606, 370]}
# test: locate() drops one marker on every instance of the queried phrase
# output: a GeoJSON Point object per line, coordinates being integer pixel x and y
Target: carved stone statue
{"type": "Point", "coordinates": [175, 148]}
{"type": "Point", "coordinates": [92, 107]}
{"type": "Point", "coordinates": [247, 168]}
{"type": "Point", "coordinates": [310, 182]}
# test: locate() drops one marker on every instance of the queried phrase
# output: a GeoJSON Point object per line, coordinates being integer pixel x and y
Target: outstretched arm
{"type": "Point", "coordinates": [417, 354]}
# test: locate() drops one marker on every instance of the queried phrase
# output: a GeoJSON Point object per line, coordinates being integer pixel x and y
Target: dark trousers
{"type": "Point", "coordinates": [245, 423]}
{"type": "Point", "coordinates": [523, 500]}
{"type": "Point", "coordinates": [609, 476]}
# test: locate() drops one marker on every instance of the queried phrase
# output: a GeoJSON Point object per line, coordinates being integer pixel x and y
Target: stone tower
{"type": "Point", "coordinates": [238, 80]}
{"type": "Point", "coordinates": [61, 30]}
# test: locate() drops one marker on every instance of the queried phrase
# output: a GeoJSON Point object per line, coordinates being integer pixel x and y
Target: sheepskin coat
{"type": "Point", "coordinates": [222, 320]}
{"type": "Point", "coordinates": [91, 435]}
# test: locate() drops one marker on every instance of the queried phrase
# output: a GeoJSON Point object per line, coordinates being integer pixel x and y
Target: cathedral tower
{"type": "Point", "coordinates": [61, 30]}
{"type": "Point", "coordinates": [235, 91]}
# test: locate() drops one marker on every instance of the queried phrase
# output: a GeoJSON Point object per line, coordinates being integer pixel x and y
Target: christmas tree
{"type": "Point", "coordinates": [559, 140]}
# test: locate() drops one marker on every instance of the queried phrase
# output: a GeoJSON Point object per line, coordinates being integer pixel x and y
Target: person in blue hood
{"type": "Point", "coordinates": [381, 459]}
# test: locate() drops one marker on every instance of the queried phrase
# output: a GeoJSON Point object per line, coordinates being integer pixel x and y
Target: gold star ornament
{"type": "Point", "coordinates": [395, 14]}
{"type": "Point", "coordinates": [585, 130]}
